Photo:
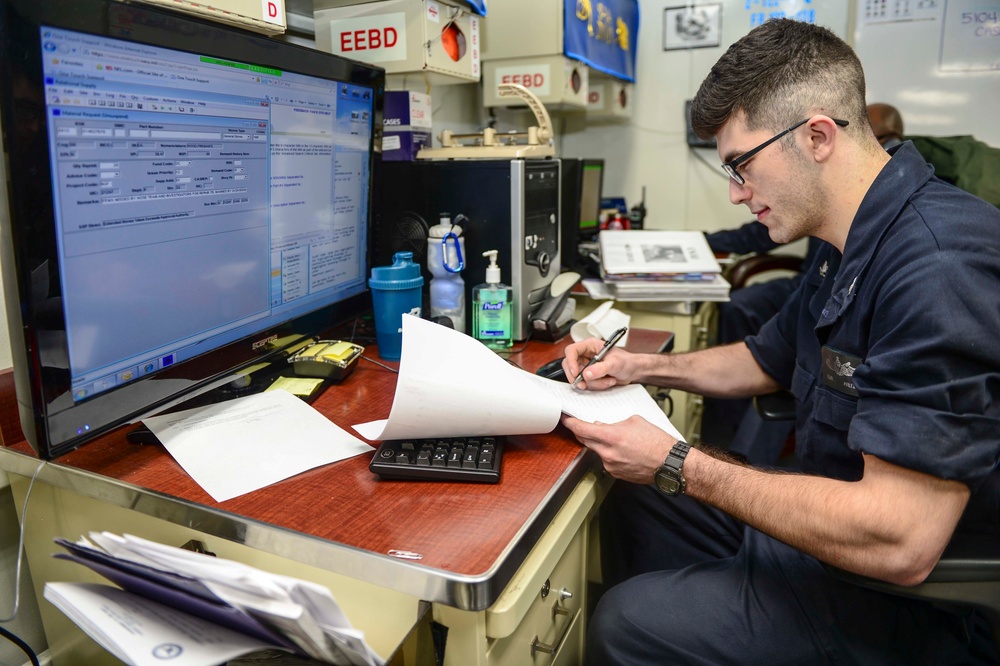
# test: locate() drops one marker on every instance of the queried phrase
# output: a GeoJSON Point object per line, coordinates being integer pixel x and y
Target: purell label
{"type": "Point", "coordinates": [493, 306]}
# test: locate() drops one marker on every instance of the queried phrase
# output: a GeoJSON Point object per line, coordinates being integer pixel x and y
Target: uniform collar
{"type": "Point", "coordinates": [902, 175]}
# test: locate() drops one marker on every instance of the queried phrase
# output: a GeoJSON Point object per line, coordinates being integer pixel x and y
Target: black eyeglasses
{"type": "Point", "coordinates": [730, 167]}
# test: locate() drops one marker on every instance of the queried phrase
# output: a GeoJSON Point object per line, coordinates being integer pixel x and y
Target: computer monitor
{"type": "Point", "coordinates": [582, 180]}
{"type": "Point", "coordinates": [591, 182]}
{"type": "Point", "coordinates": [183, 200]}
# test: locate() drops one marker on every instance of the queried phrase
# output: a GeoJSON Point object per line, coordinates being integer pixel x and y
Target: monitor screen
{"type": "Point", "coordinates": [591, 180]}
{"type": "Point", "coordinates": [184, 199]}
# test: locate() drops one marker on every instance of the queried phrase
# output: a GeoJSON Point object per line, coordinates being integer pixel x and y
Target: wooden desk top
{"type": "Point", "coordinates": [340, 516]}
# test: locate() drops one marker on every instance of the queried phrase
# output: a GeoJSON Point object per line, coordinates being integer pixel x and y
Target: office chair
{"type": "Point", "coordinates": [966, 577]}
{"type": "Point", "coordinates": [759, 265]}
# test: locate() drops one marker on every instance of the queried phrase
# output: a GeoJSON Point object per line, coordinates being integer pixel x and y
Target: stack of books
{"type": "Point", "coordinates": [652, 265]}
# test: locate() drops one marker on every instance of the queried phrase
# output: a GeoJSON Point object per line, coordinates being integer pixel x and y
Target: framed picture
{"type": "Point", "coordinates": [692, 27]}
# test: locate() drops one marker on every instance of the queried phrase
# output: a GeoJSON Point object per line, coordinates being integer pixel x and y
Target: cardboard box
{"type": "Point", "coordinates": [434, 38]}
{"type": "Point", "coordinates": [557, 81]}
{"type": "Point", "coordinates": [266, 16]}
{"type": "Point", "coordinates": [523, 29]}
{"type": "Point", "coordinates": [406, 121]}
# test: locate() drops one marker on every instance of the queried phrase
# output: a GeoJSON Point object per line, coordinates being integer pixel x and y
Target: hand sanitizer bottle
{"type": "Point", "coordinates": [492, 303]}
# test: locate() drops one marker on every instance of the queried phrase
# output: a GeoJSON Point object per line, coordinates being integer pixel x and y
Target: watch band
{"type": "Point", "coordinates": [675, 459]}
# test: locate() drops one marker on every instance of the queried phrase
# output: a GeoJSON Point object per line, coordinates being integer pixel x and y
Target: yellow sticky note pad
{"type": "Point", "coordinates": [300, 386]}
{"type": "Point", "coordinates": [338, 351]}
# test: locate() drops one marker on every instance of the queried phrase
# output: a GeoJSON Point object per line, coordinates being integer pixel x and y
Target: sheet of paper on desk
{"type": "Point", "coordinates": [231, 448]}
{"type": "Point", "coordinates": [451, 385]}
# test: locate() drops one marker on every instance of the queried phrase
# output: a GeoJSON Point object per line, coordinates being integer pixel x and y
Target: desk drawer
{"type": "Point", "coordinates": [552, 629]}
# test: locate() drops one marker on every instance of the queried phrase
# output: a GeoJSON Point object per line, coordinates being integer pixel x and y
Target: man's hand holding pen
{"type": "Point", "coordinates": [634, 448]}
{"type": "Point", "coordinates": [596, 365]}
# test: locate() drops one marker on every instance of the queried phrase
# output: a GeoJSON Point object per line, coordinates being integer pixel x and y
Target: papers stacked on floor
{"type": "Point", "coordinates": [203, 609]}
{"type": "Point", "coordinates": [651, 265]}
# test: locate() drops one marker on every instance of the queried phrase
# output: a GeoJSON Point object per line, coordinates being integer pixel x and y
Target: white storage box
{"type": "Point", "coordinates": [436, 38]}
{"type": "Point", "coordinates": [557, 81]}
{"type": "Point", "coordinates": [608, 98]}
{"type": "Point", "coordinates": [266, 16]}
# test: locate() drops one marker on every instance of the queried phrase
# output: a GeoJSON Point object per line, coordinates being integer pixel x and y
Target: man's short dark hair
{"type": "Point", "coordinates": [778, 74]}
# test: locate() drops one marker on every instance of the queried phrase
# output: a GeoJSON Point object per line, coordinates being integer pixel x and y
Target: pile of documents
{"type": "Point", "coordinates": [650, 265]}
{"type": "Point", "coordinates": [199, 609]}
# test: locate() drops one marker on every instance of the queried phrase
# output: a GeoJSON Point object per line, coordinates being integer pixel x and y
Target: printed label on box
{"type": "Point", "coordinates": [433, 12]}
{"type": "Point", "coordinates": [377, 38]}
{"type": "Point", "coordinates": [474, 29]}
{"type": "Point", "coordinates": [420, 110]}
{"type": "Point", "coordinates": [536, 78]}
{"type": "Point", "coordinates": [391, 142]}
{"type": "Point", "coordinates": [273, 11]}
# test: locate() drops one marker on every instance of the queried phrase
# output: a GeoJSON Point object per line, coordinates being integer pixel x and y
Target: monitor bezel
{"type": "Point", "coordinates": [27, 169]}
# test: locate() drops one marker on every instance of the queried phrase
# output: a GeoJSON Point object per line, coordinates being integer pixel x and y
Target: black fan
{"type": "Point", "coordinates": [405, 233]}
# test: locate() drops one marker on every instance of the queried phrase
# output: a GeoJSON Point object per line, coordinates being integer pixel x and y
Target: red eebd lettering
{"type": "Point", "coordinates": [366, 40]}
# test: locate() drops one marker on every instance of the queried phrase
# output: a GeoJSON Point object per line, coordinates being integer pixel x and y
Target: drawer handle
{"type": "Point", "coordinates": [537, 646]}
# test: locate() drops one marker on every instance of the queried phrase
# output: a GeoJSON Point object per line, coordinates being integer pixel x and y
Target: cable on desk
{"type": "Point", "coordinates": [20, 546]}
{"type": "Point", "coordinates": [519, 349]}
{"type": "Point", "coordinates": [25, 648]}
{"type": "Point", "coordinates": [663, 395]}
{"type": "Point", "coordinates": [13, 638]}
{"type": "Point", "coordinates": [371, 360]}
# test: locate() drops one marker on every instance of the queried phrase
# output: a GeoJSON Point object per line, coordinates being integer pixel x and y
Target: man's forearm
{"type": "Point", "coordinates": [893, 524]}
{"type": "Point", "coordinates": [728, 371]}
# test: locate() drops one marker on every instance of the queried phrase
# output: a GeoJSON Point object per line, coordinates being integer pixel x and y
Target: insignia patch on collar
{"type": "Point", "coordinates": [838, 370]}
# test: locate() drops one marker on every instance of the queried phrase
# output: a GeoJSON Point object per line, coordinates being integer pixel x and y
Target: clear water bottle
{"type": "Point", "coordinates": [445, 261]}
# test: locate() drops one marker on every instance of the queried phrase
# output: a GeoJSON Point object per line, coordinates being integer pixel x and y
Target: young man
{"type": "Point", "coordinates": [891, 347]}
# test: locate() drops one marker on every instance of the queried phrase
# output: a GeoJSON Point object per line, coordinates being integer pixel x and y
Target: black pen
{"type": "Point", "coordinates": [612, 341]}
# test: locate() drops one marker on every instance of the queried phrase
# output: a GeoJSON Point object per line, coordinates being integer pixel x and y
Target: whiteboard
{"type": "Point", "coordinates": [937, 61]}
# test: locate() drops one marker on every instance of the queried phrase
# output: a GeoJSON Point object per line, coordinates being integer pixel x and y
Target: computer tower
{"type": "Point", "coordinates": [511, 206]}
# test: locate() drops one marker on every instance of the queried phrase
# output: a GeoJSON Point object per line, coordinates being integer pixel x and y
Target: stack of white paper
{"type": "Point", "coordinates": [164, 588]}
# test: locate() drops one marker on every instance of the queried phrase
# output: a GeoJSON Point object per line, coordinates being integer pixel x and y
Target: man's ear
{"type": "Point", "coordinates": [821, 135]}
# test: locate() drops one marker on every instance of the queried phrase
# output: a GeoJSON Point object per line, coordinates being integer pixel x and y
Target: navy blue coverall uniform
{"type": "Point", "coordinates": [892, 349]}
{"type": "Point", "coordinates": [733, 424]}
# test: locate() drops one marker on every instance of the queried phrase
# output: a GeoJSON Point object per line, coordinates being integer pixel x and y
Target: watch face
{"type": "Point", "coordinates": [667, 484]}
